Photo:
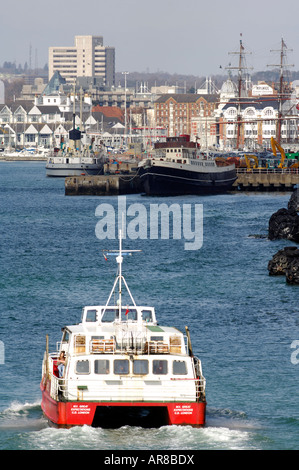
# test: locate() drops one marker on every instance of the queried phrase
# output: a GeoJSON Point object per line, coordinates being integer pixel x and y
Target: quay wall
{"type": "Point", "coordinates": [267, 179]}
{"type": "Point", "coordinates": [6, 158]}
{"type": "Point", "coordinates": [102, 185]}
{"type": "Point", "coordinates": [117, 184]}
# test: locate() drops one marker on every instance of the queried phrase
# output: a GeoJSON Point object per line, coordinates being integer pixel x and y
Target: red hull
{"type": "Point", "coordinates": [78, 413]}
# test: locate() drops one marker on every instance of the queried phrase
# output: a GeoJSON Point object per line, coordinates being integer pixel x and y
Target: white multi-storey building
{"type": "Point", "coordinates": [88, 58]}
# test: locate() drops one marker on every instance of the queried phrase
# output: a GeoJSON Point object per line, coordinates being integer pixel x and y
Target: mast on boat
{"type": "Point", "coordinates": [119, 278]}
{"type": "Point", "coordinates": [241, 67]}
{"type": "Point", "coordinates": [282, 91]}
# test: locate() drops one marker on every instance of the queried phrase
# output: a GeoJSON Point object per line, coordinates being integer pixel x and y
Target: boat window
{"type": "Point", "coordinates": [65, 336]}
{"type": "Point", "coordinates": [101, 366]}
{"type": "Point", "coordinates": [82, 367]}
{"type": "Point", "coordinates": [146, 315]}
{"type": "Point", "coordinates": [109, 316]}
{"type": "Point", "coordinates": [121, 366]}
{"type": "Point", "coordinates": [157, 338]}
{"type": "Point", "coordinates": [128, 314]}
{"type": "Point", "coordinates": [91, 315]}
{"type": "Point", "coordinates": [79, 344]}
{"type": "Point", "coordinates": [179, 368]}
{"type": "Point", "coordinates": [160, 367]}
{"type": "Point", "coordinates": [140, 367]}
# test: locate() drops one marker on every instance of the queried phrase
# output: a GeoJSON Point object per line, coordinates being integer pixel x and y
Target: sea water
{"type": "Point", "coordinates": [243, 322]}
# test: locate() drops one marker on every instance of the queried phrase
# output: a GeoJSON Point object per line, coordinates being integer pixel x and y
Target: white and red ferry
{"type": "Point", "coordinates": [122, 367]}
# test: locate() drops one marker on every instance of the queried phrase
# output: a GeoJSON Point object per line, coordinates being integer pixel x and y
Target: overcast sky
{"type": "Point", "coordinates": [175, 36]}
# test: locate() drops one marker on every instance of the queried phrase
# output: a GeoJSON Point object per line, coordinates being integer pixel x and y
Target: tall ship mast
{"type": "Point", "coordinates": [241, 68]}
{"type": "Point", "coordinates": [284, 92]}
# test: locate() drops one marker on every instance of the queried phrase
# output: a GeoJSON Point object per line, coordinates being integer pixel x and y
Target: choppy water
{"type": "Point", "coordinates": [242, 321]}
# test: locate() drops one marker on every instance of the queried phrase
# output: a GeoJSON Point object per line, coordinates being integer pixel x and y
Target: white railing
{"type": "Point", "coordinates": [118, 390]}
{"type": "Point", "coordinates": [134, 345]}
{"type": "Point", "coordinates": [286, 171]}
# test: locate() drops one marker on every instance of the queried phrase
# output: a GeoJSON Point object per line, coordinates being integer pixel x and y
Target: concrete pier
{"type": "Point", "coordinates": [7, 158]}
{"type": "Point", "coordinates": [102, 185]}
{"type": "Point", "coordinates": [117, 184]}
{"type": "Point", "coordinates": [267, 180]}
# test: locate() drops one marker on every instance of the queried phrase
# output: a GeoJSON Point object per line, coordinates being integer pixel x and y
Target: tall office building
{"type": "Point", "coordinates": [88, 58]}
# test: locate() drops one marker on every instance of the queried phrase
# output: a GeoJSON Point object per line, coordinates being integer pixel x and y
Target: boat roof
{"type": "Point", "coordinates": [84, 328]}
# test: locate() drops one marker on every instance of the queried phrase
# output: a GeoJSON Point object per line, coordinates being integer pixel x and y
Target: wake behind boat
{"type": "Point", "coordinates": [177, 166]}
{"type": "Point", "coordinates": [120, 367]}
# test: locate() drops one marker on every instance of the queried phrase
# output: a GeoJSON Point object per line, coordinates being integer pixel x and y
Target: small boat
{"type": "Point", "coordinates": [78, 159]}
{"type": "Point", "coordinates": [177, 167]}
{"type": "Point", "coordinates": [29, 153]}
{"type": "Point", "coordinates": [118, 367]}
{"type": "Point", "coordinates": [75, 163]}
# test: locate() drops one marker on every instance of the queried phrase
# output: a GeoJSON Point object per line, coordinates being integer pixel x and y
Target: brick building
{"type": "Point", "coordinates": [176, 111]}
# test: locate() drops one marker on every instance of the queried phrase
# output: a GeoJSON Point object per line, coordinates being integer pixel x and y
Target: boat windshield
{"type": "Point", "coordinates": [112, 314]}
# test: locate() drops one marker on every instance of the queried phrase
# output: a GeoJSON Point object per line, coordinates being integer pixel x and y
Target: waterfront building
{"type": "Point", "coordinates": [258, 118]}
{"type": "Point", "coordinates": [24, 124]}
{"type": "Point", "coordinates": [87, 58]}
{"type": "Point", "coordinates": [176, 111]}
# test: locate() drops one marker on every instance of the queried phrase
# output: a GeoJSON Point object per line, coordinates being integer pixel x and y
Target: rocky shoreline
{"type": "Point", "coordinates": [284, 224]}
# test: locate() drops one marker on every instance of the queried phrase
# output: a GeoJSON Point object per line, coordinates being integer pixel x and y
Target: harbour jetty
{"type": "Point", "coordinates": [102, 185]}
{"type": "Point", "coordinates": [118, 179]}
{"type": "Point", "coordinates": [123, 179]}
{"type": "Point", "coordinates": [26, 158]}
{"type": "Point", "coordinates": [268, 179]}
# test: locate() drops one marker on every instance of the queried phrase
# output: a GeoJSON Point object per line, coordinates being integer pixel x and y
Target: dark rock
{"type": "Point", "coordinates": [286, 262]}
{"type": "Point", "coordinates": [284, 224]}
{"type": "Point", "coordinates": [294, 201]}
{"type": "Point", "coordinates": [292, 272]}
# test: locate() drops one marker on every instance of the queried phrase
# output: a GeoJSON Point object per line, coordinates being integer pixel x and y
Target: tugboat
{"type": "Point", "coordinates": [178, 167]}
{"type": "Point", "coordinates": [120, 367]}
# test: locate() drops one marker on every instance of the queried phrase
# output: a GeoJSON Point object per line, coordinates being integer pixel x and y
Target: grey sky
{"type": "Point", "coordinates": [184, 37]}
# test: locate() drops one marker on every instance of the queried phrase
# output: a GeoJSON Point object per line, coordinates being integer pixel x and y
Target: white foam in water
{"type": "Point", "coordinates": [225, 430]}
{"type": "Point", "coordinates": [17, 408]}
{"type": "Point", "coordinates": [135, 438]}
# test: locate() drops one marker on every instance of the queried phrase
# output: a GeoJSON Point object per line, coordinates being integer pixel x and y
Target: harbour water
{"type": "Point", "coordinates": [243, 322]}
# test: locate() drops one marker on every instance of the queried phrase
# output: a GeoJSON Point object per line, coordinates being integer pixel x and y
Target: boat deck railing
{"type": "Point", "coordinates": [285, 171]}
{"type": "Point", "coordinates": [134, 345]}
{"type": "Point", "coordinates": [110, 346]}
{"type": "Point", "coordinates": [173, 389]}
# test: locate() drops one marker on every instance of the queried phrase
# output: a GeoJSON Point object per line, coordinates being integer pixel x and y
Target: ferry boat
{"type": "Point", "coordinates": [177, 166]}
{"type": "Point", "coordinates": [79, 159]}
{"type": "Point", "coordinates": [75, 163]}
{"type": "Point", "coordinates": [121, 367]}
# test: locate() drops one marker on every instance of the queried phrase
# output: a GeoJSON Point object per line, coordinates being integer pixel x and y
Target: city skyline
{"type": "Point", "coordinates": [166, 36]}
